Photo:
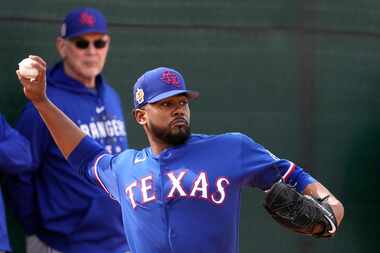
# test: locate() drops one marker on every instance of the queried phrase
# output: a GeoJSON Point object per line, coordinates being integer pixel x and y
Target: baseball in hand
{"type": "Point", "coordinates": [27, 70]}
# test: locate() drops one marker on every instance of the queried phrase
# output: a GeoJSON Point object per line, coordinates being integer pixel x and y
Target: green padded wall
{"type": "Point", "coordinates": [300, 77]}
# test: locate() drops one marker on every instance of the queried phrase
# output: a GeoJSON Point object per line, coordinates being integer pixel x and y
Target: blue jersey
{"type": "Point", "coordinates": [186, 199]}
{"type": "Point", "coordinates": [65, 210]}
{"type": "Point", "coordinates": [15, 157]}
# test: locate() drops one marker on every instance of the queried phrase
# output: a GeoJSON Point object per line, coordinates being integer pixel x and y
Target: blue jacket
{"type": "Point", "coordinates": [15, 157]}
{"type": "Point", "coordinates": [64, 209]}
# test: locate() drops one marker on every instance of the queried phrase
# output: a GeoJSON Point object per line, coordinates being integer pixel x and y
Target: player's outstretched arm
{"type": "Point", "coordinates": [64, 132]}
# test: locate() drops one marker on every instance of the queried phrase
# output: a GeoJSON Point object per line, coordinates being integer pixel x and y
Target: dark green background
{"type": "Point", "coordinates": [300, 77]}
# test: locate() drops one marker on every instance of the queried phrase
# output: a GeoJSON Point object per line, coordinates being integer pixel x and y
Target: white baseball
{"type": "Point", "coordinates": [27, 70]}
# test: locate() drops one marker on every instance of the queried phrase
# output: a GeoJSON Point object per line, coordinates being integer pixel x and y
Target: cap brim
{"type": "Point", "coordinates": [189, 93]}
{"type": "Point", "coordinates": [80, 33]}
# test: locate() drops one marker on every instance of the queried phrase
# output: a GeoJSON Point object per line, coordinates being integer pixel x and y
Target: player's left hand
{"type": "Point", "coordinates": [300, 213]}
{"type": "Point", "coordinates": [35, 89]}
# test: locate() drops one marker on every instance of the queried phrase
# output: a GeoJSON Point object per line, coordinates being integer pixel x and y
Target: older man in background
{"type": "Point", "coordinates": [66, 212]}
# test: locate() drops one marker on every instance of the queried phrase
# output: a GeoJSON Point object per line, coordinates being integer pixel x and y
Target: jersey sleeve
{"type": "Point", "coordinates": [262, 169]}
{"type": "Point", "coordinates": [20, 187]}
{"type": "Point", "coordinates": [15, 153]}
{"type": "Point", "coordinates": [102, 173]}
{"type": "Point", "coordinates": [93, 162]}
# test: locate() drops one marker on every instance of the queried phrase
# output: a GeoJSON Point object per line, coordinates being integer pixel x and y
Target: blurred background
{"type": "Point", "coordinates": [299, 77]}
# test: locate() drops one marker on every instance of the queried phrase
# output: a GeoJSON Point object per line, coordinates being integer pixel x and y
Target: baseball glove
{"type": "Point", "coordinates": [300, 213]}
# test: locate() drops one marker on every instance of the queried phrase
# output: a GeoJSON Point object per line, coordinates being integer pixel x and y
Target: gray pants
{"type": "Point", "coordinates": [35, 245]}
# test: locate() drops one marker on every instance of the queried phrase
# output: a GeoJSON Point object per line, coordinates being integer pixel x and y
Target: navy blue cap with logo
{"type": "Point", "coordinates": [158, 84]}
{"type": "Point", "coordinates": [81, 21]}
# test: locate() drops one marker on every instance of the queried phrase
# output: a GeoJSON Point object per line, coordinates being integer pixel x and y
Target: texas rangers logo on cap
{"type": "Point", "coordinates": [139, 96]}
{"type": "Point", "coordinates": [87, 19]}
{"type": "Point", "coordinates": [83, 20]}
{"type": "Point", "coordinates": [170, 77]}
{"type": "Point", "coordinates": [158, 84]}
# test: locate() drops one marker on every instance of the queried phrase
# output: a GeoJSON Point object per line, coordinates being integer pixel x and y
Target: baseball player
{"type": "Point", "coordinates": [182, 193]}
{"type": "Point", "coordinates": [62, 211]}
{"type": "Point", "coordinates": [15, 157]}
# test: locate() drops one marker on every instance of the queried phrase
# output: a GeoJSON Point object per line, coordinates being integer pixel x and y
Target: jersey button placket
{"type": "Point", "coordinates": [163, 161]}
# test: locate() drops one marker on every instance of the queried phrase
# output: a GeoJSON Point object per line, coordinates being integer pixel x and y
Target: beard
{"type": "Point", "coordinates": [171, 136]}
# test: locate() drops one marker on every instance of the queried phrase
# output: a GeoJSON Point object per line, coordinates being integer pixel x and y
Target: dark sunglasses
{"type": "Point", "coordinates": [83, 44]}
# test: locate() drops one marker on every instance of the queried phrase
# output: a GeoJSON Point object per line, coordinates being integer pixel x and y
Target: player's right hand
{"type": "Point", "coordinates": [35, 89]}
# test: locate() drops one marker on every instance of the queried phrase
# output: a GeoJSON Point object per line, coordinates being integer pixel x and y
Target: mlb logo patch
{"type": "Point", "coordinates": [170, 78]}
{"type": "Point", "coordinates": [63, 30]}
{"type": "Point", "coordinates": [139, 96]}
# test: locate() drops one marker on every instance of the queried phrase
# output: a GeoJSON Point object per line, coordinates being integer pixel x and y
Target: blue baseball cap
{"type": "Point", "coordinates": [83, 20]}
{"type": "Point", "coordinates": [158, 84]}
